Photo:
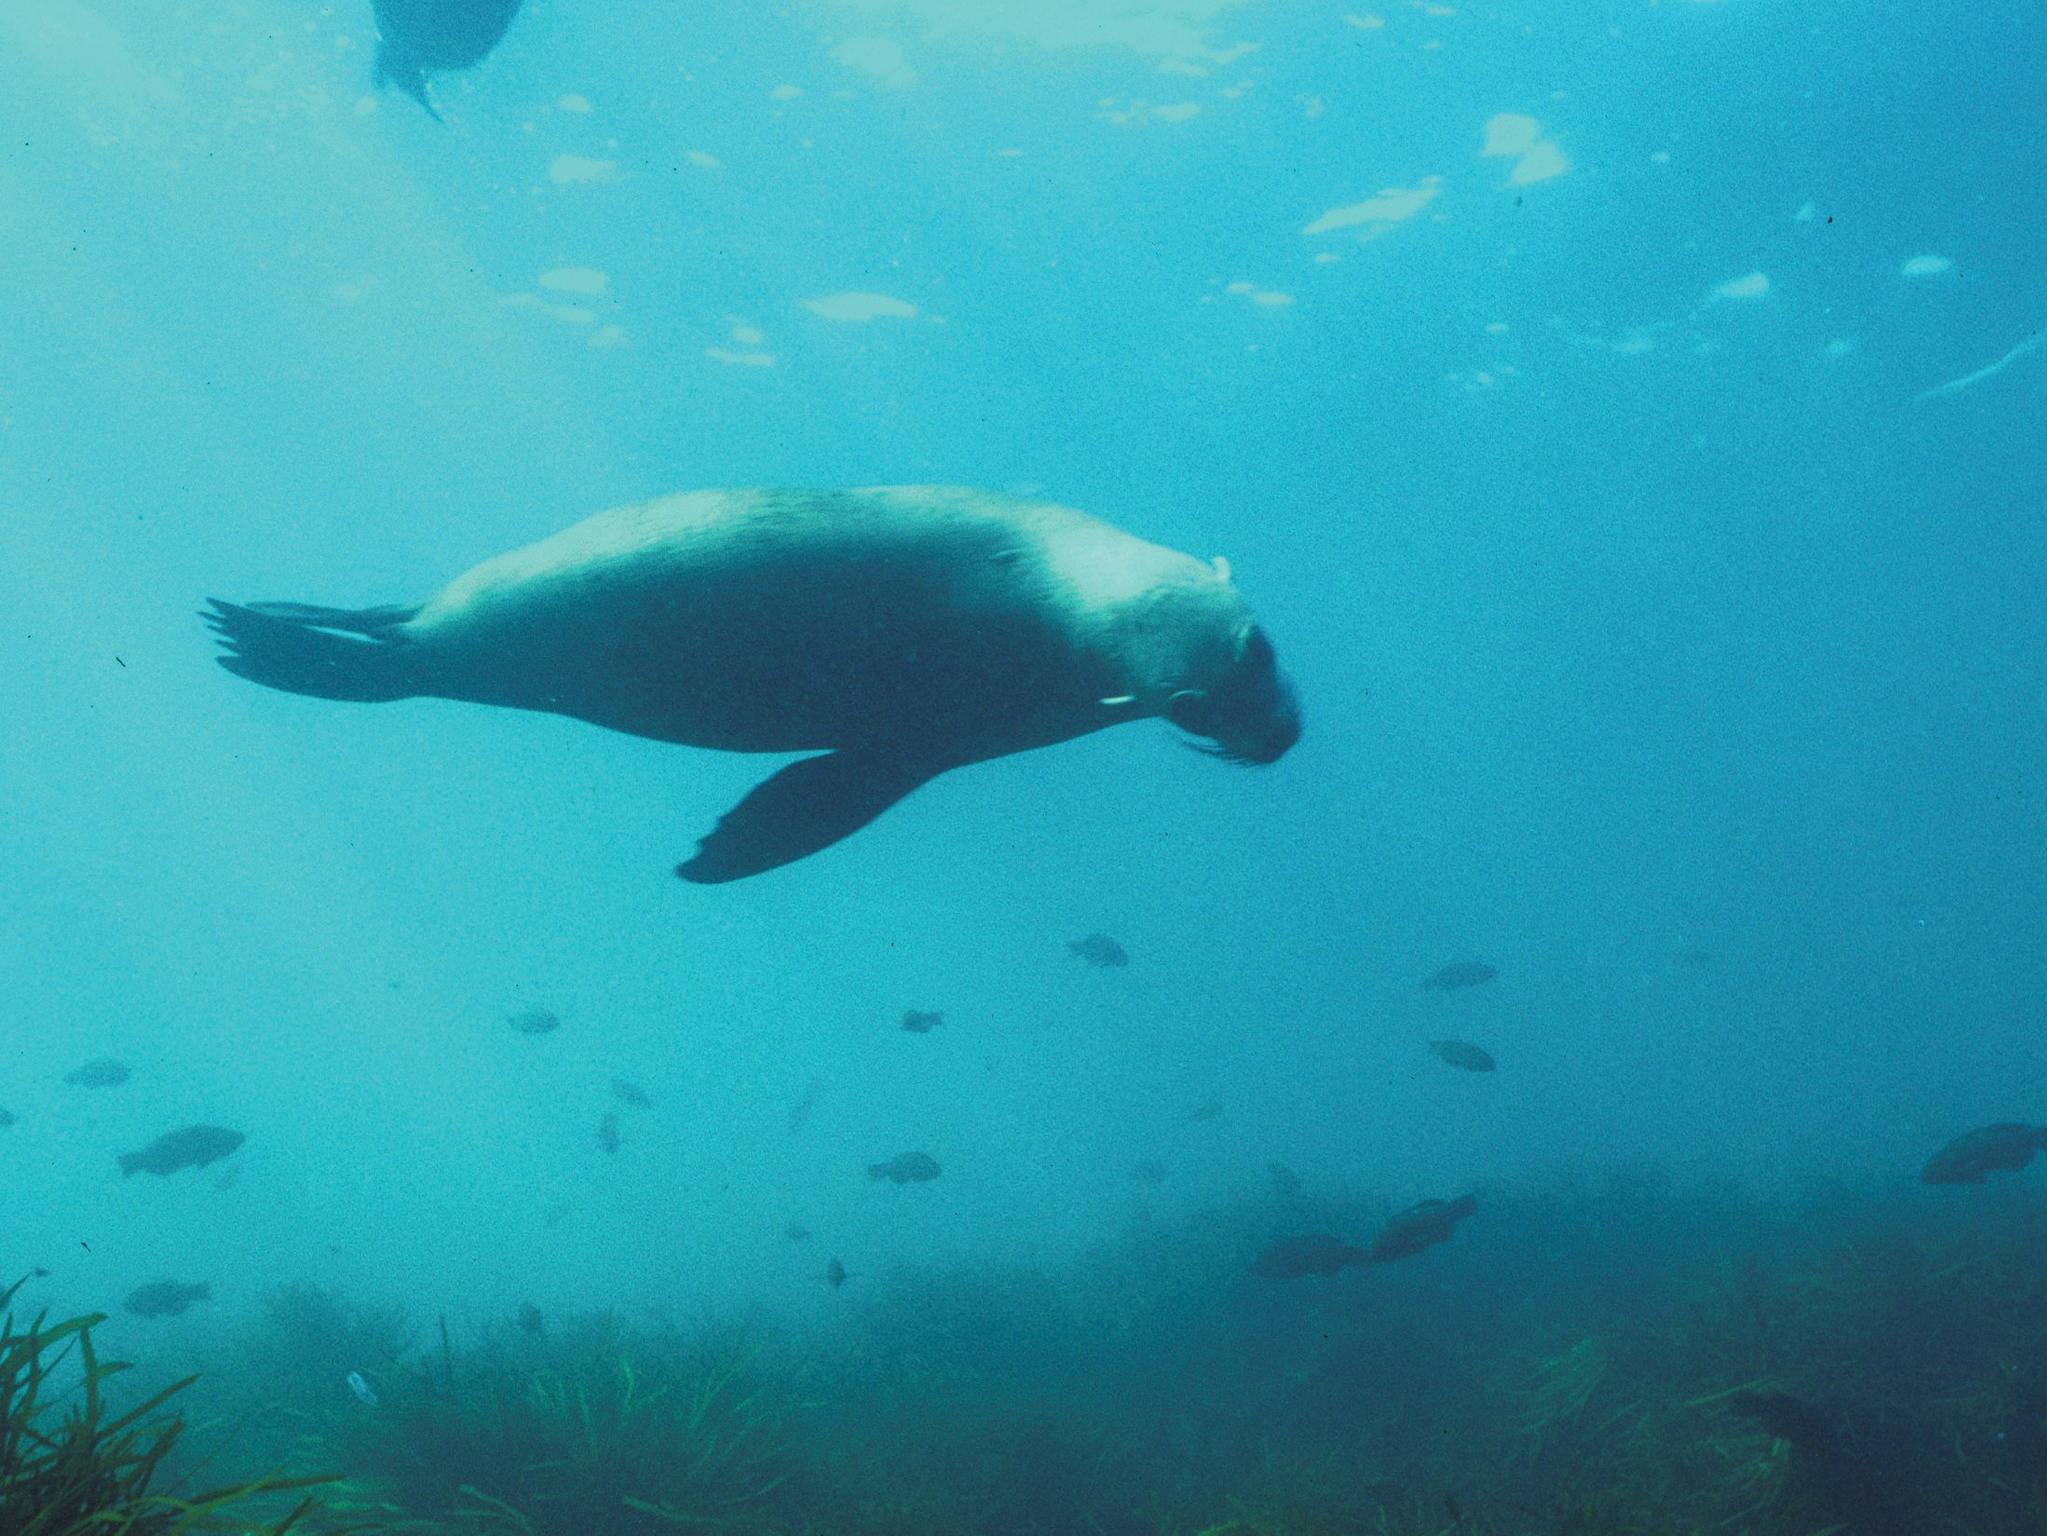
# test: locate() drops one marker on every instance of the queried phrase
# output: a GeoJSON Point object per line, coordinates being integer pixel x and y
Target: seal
{"type": "Point", "coordinates": [898, 631]}
{"type": "Point", "coordinates": [414, 36]}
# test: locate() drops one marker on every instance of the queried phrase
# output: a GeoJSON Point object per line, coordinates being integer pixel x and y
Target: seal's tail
{"type": "Point", "coordinates": [327, 653]}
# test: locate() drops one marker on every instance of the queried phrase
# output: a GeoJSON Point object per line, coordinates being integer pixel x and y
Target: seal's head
{"type": "Point", "coordinates": [1248, 710]}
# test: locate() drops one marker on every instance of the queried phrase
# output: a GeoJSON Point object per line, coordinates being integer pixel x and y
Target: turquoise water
{"type": "Point", "coordinates": [1623, 418]}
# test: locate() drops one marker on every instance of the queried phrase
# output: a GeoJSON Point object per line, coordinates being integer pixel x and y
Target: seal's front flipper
{"type": "Point", "coordinates": [809, 805]}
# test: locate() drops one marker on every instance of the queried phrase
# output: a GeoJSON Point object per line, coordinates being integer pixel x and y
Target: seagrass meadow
{"type": "Point", "coordinates": [1588, 1359]}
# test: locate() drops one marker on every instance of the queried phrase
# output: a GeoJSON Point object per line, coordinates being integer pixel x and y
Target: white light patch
{"type": "Point", "coordinates": [571, 170]}
{"type": "Point", "coordinates": [1926, 266]}
{"type": "Point", "coordinates": [587, 281]}
{"type": "Point", "coordinates": [1839, 347]}
{"type": "Point", "coordinates": [1271, 298]}
{"type": "Point", "coordinates": [740, 359]}
{"type": "Point", "coordinates": [1807, 212]}
{"type": "Point", "coordinates": [1391, 206]}
{"type": "Point", "coordinates": [607, 338]}
{"type": "Point", "coordinates": [879, 58]}
{"type": "Point", "coordinates": [577, 104]}
{"type": "Point", "coordinates": [785, 93]}
{"type": "Point", "coordinates": [1367, 23]}
{"type": "Point", "coordinates": [859, 308]}
{"type": "Point", "coordinates": [1754, 285]}
{"type": "Point", "coordinates": [709, 162]}
{"type": "Point", "coordinates": [1539, 164]}
{"type": "Point", "coordinates": [1510, 133]}
{"type": "Point", "coordinates": [1240, 286]}
{"type": "Point", "coordinates": [745, 335]}
{"type": "Point", "coordinates": [1516, 136]}
{"type": "Point", "coordinates": [1178, 112]}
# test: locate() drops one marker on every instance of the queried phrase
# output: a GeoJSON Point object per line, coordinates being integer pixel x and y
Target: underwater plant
{"type": "Point", "coordinates": [71, 1463]}
{"type": "Point", "coordinates": [585, 1431]}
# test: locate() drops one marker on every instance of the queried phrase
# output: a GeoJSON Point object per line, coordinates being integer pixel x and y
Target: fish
{"type": "Point", "coordinates": [193, 1147]}
{"type": "Point", "coordinates": [918, 1022]}
{"type": "Point", "coordinates": [1317, 1253]}
{"type": "Point", "coordinates": [906, 1168]}
{"type": "Point", "coordinates": [418, 36]}
{"type": "Point", "coordinates": [1972, 1157]}
{"type": "Point", "coordinates": [102, 1073]}
{"type": "Point", "coordinates": [607, 1131]}
{"type": "Point", "coordinates": [631, 1093]}
{"type": "Point", "coordinates": [1150, 1171]}
{"type": "Point", "coordinates": [1459, 974]}
{"type": "Point", "coordinates": [1463, 1055]}
{"type": "Point", "coordinates": [364, 1392]}
{"type": "Point", "coordinates": [1099, 949]}
{"type": "Point", "coordinates": [835, 1274]}
{"type": "Point", "coordinates": [796, 1232]}
{"type": "Point", "coordinates": [530, 1320]}
{"type": "Point", "coordinates": [1283, 1181]}
{"type": "Point", "coordinates": [165, 1298]}
{"type": "Point", "coordinates": [534, 1021]}
{"type": "Point", "coordinates": [1420, 1226]}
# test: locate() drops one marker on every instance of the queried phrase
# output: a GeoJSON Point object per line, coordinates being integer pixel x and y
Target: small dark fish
{"type": "Point", "coordinates": [1099, 949]}
{"type": "Point", "coordinates": [1460, 973]}
{"type": "Point", "coordinates": [905, 1168]}
{"type": "Point", "coordinates": [534, 1021]}
{"type": "Point", "coordinates": [103, 1073]}
{"type": "Point", "coordinates": [166, 1298]}
{"type": "Point", "coordinates": [607, 1131]}
{"type": "Point", "coordinates": [193, 1147]}
{"type": "Point", "coordinates": [920, 1023]}
{"type": "Point", "coordinates": [835, 1274]}
{"type": "Point", "coordinates": [1790, 1419]}
{"type": "Point", "coordinates": [1970, 1158]}
{"type": "Point", "coordinates": [1463, 1055]}
{"type": "Point", "coordinates": [631, 1093]}
{"type": "Point", "coordinates": [1285, 1182]}
{"type": "Point", "coordinates": [796, 1232]}
{"type": "Point", "coordinates": [1150, 1172]}
{"type": "Point", "coordinates": [1200, 1114]}
{"type": "Point", "coordinates": [416, 36]}
{"type": "Point", "coordinates": [1420, 1226]}
{"type": "Point", "coordinates": [1316, 1254]}
{"type": "Point", "coordinates": [6, 1118]}
{"type": "Point", "coordinates": [530, 1320]}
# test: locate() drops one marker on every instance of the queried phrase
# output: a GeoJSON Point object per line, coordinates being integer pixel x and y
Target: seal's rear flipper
{"type": "Point", "coordinates": [327, 653]}
{"type": "Point", "coordinates": [809, 805]}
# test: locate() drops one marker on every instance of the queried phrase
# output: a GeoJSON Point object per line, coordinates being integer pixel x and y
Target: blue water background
{"type": "Point", "coordinates": [1629, 621]}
